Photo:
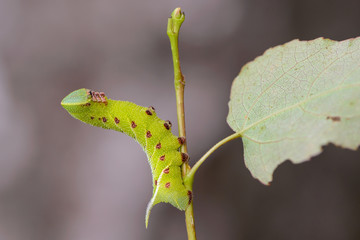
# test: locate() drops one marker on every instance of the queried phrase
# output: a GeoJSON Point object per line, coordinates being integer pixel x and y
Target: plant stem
{"type": "Point", "coordinates": [173, 28]}
{"type": "Point", "coordinates": [189, 179]}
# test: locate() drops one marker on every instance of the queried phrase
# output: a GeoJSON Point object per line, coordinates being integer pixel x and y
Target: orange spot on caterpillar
{"type": "Point", "coordinates": [167, 185]}
{"type": "Point", "coordinates": [150, 111]}
{"type": "Point", "coordinates": [116, 120]}
{"type": "Point", "coordinates": [158, 146]}
{"type": "Point", "coordinates": [155, 182]}
{"type": "Point", "coordinates": [189, 193]}
{"type": "Point", "coordinates": [104, 119]}
{"type": "Point", "coordinates": [162, 158]}
{"type": "Point", "coordinates": [133, 124]}
{"type": "Point", "coordinates": [181, 140]}
{"type": "Point", "coordinates": [148, 134]}
{"type": "Point", "coordinates": [166, 171]}
{"type": "Point", "coordinates": [184, 157]}
{"type": "Point", "coordinates": [167, 124]}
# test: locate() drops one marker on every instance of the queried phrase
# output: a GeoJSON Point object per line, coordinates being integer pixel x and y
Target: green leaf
{"type": "Point", "coordinates": [294, 99]}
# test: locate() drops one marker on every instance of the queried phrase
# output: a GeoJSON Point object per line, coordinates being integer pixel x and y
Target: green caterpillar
{"type": "Point", "coordinates": [152, 133]}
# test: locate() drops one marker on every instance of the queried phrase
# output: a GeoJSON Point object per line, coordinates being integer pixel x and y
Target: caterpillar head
{"type": "Point", "coordinates": [76, 101]}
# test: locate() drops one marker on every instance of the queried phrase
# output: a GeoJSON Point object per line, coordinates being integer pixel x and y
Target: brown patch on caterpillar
{"type": "Point", "coordinates": [184, 157]}
{"type": "Point", "coordinates": [104, 119]}
{"type": "Point", "coordinates": [97, 96]}
{"type": "Point", "coordinates": [102, 96]}
{"type": "Point", "coordinates": [94, 97]}
{"type": "Point", "coordinates": [99, 118]}
{"type": "Point", "coordinates": [167, 124]}
{"type": "Point", "coordinates": [181, 140]}
{"type": "Point", "coordinates": [150, 110]}
{"type": "Point", "coordinates": [92, 117]}
{"type": "Point", "coordinates": [133, 124]}
{"type": "Point", "coordinates": [90, 93]}
{"type": "Point", "coordinates": [189, 193]}
{"type": "Point", "coordinates": [86, 105]}
{"type": "Point", "coordinates": [162, 158]}
{"type": "Point", "coordinates": [116, 120]}
{"type": "Point", "coordinates": [155, 182]}
{"type": "Point", "coordinates": [166, 171]}
{"type": "Point", "coordinates": [158, 146]}
{"type": "Point", "coordinates": [148, 134]}
{"type": "Point", "coordinates": [334, 119]}
{"type": "Point", "coordinates": [167, 185]}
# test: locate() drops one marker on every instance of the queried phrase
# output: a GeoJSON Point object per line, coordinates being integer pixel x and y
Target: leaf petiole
{"type": "Point", "coordinates": [189, 178]}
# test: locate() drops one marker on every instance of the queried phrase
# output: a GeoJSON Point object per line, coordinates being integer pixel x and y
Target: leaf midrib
{"type": "Point", "coordinates": [241, 132]}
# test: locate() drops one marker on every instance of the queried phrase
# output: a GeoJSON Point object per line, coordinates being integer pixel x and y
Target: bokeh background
{"type": "Point", "coordinates": [63, 180]}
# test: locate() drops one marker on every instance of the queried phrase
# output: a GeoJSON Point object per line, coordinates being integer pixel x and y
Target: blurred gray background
{"type": "Point", "coordinates": [63, 180]}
